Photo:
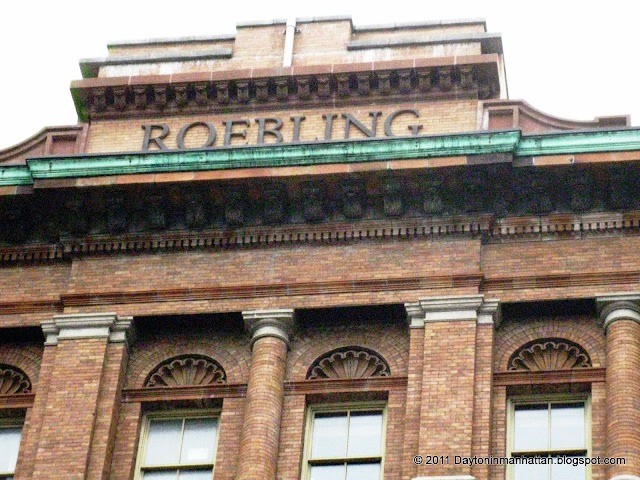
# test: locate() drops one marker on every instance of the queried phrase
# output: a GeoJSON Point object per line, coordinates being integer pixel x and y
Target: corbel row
{"type": "Point", "coordinates": [104, 101]}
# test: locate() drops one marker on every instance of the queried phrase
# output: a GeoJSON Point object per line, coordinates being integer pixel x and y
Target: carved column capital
{"type": "Point", "coordinates": [269, 323]}
{"type": "Point", "coordinates": [619, 306]}
{"type": "Point", "coordinates": [453, 308]}
{"type": "Point", "coordinates": [114, 328]}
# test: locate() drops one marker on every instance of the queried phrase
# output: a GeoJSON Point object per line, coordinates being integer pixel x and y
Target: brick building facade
{"type": "Point", "coordinates": [316, 251]}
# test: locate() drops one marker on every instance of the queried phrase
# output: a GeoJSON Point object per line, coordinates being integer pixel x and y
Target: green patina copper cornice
{"type": "Point", "coordinates": [304, 154]}
{"type": "Point", "coordinates": [579, 142]}
{"type": "Point", "coordinates": [275, 155]}
{"type": "Point", "coordinates": [15, 175]}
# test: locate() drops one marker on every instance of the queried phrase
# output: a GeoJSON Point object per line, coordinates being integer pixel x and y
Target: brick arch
{"type": "Point", "coordinates": [310, 343]}
{"type": "Point", "coordinates": [231, 353]}
{"type": "Point", "coordinates": [584, 331]}
{"type": "Point", "coordinates": [26, 357]}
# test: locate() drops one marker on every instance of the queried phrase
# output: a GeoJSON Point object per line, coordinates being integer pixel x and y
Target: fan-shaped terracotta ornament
{"type": "Point", "coordinates": [13, 381]}
{"type": "Point", "coordinates": [186, 370]}
{"type": "Point", "coordinates": [551, 354]}
{"type": "Point", "coordinates": [349, 362]}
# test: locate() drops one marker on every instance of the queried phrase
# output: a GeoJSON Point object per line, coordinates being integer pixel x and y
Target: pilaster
{"type": "Point", "coordinates": [88, 353]}
{"type": "Point", "coordinates": [416, 321]}
{"type": "Point", "coordinates": [455, 334]}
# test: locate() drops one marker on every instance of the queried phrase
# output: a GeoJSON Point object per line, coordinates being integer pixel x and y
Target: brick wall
{"type": "Point", "coordinates": [436, 117]}
{"type": "Point", "coordinates": [449, 391]}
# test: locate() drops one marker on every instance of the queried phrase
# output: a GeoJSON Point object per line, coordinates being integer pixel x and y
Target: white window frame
{"type": "Point", "coordinates": [11, 423]}
{"type": "Point", "coordinates": [581, 398]}
{"type": "Point", "coordinates": [312, 410]}
{"type": "Point", "coordinates": [173, 415]}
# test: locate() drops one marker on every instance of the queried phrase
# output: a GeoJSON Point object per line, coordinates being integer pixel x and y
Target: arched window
{"type": "Point", "coordinates": [551, 426]}
{"type": "Point", "coordinates": [181, 442]}
{"type": "Point", "coordinates": [13, 381]}
{"type": "Point", "coordinates": [346, 440]}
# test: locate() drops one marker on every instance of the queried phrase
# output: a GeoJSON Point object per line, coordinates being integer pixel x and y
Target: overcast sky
{"type": "Point", "coordinates": [572, 59]}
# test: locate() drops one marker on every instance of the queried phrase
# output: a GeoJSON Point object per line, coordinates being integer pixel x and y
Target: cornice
{"type": "Point", "coordinates": [588, 141]}
{"type": "Point", "coordinates": [510, 142]}
{"type": "Point", "coordinates": [16, 308]}
{"type": "Point", "coordinates": [485, 228]}
{"type": "Point", "coordinates": [271, 290]}
{"type": "Point", "coordinates": [318, 153]}
{"type": "Point", "coordinates": [489, 286]}
{"type": "Point", "coordinates": [347, 191]}
{"type": "Point", "coordinates": [561, 280]}
{"type": "Point", "coordinates": [472, 282]}
{"type": "Point", "coordinates": [15, 175]}
{"type": "Point", "coordinates": [198, 92]}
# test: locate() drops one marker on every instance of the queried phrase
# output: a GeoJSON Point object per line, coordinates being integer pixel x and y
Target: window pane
{"type": "Point", "coordinates": [9, 445]}
{"type": "Point", "coordinates": [568, 472]}
{"type": "Point", "coordinates": [531, 430]}
{"type": "Point", "coordinates": [329, 435]}
{"type": "Point", "coordinates": [531, 472]}
{"type": "Point", "coordinates": [328, 472]}
{"type": "Point", "coordinates": [366, 471]}
{"type": "Point", "coordinates": [163, 443]}
{"type": "Point", "coordinates": [160, 476]}
{"type": "Point", "coordinates": [567, 426]}
{"type": "Point", "coordinates": [365, 434]}
{"type": "Point", "coordinates": [195, 475]}
{"type": "Point", "coordinates": [199, 441]}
